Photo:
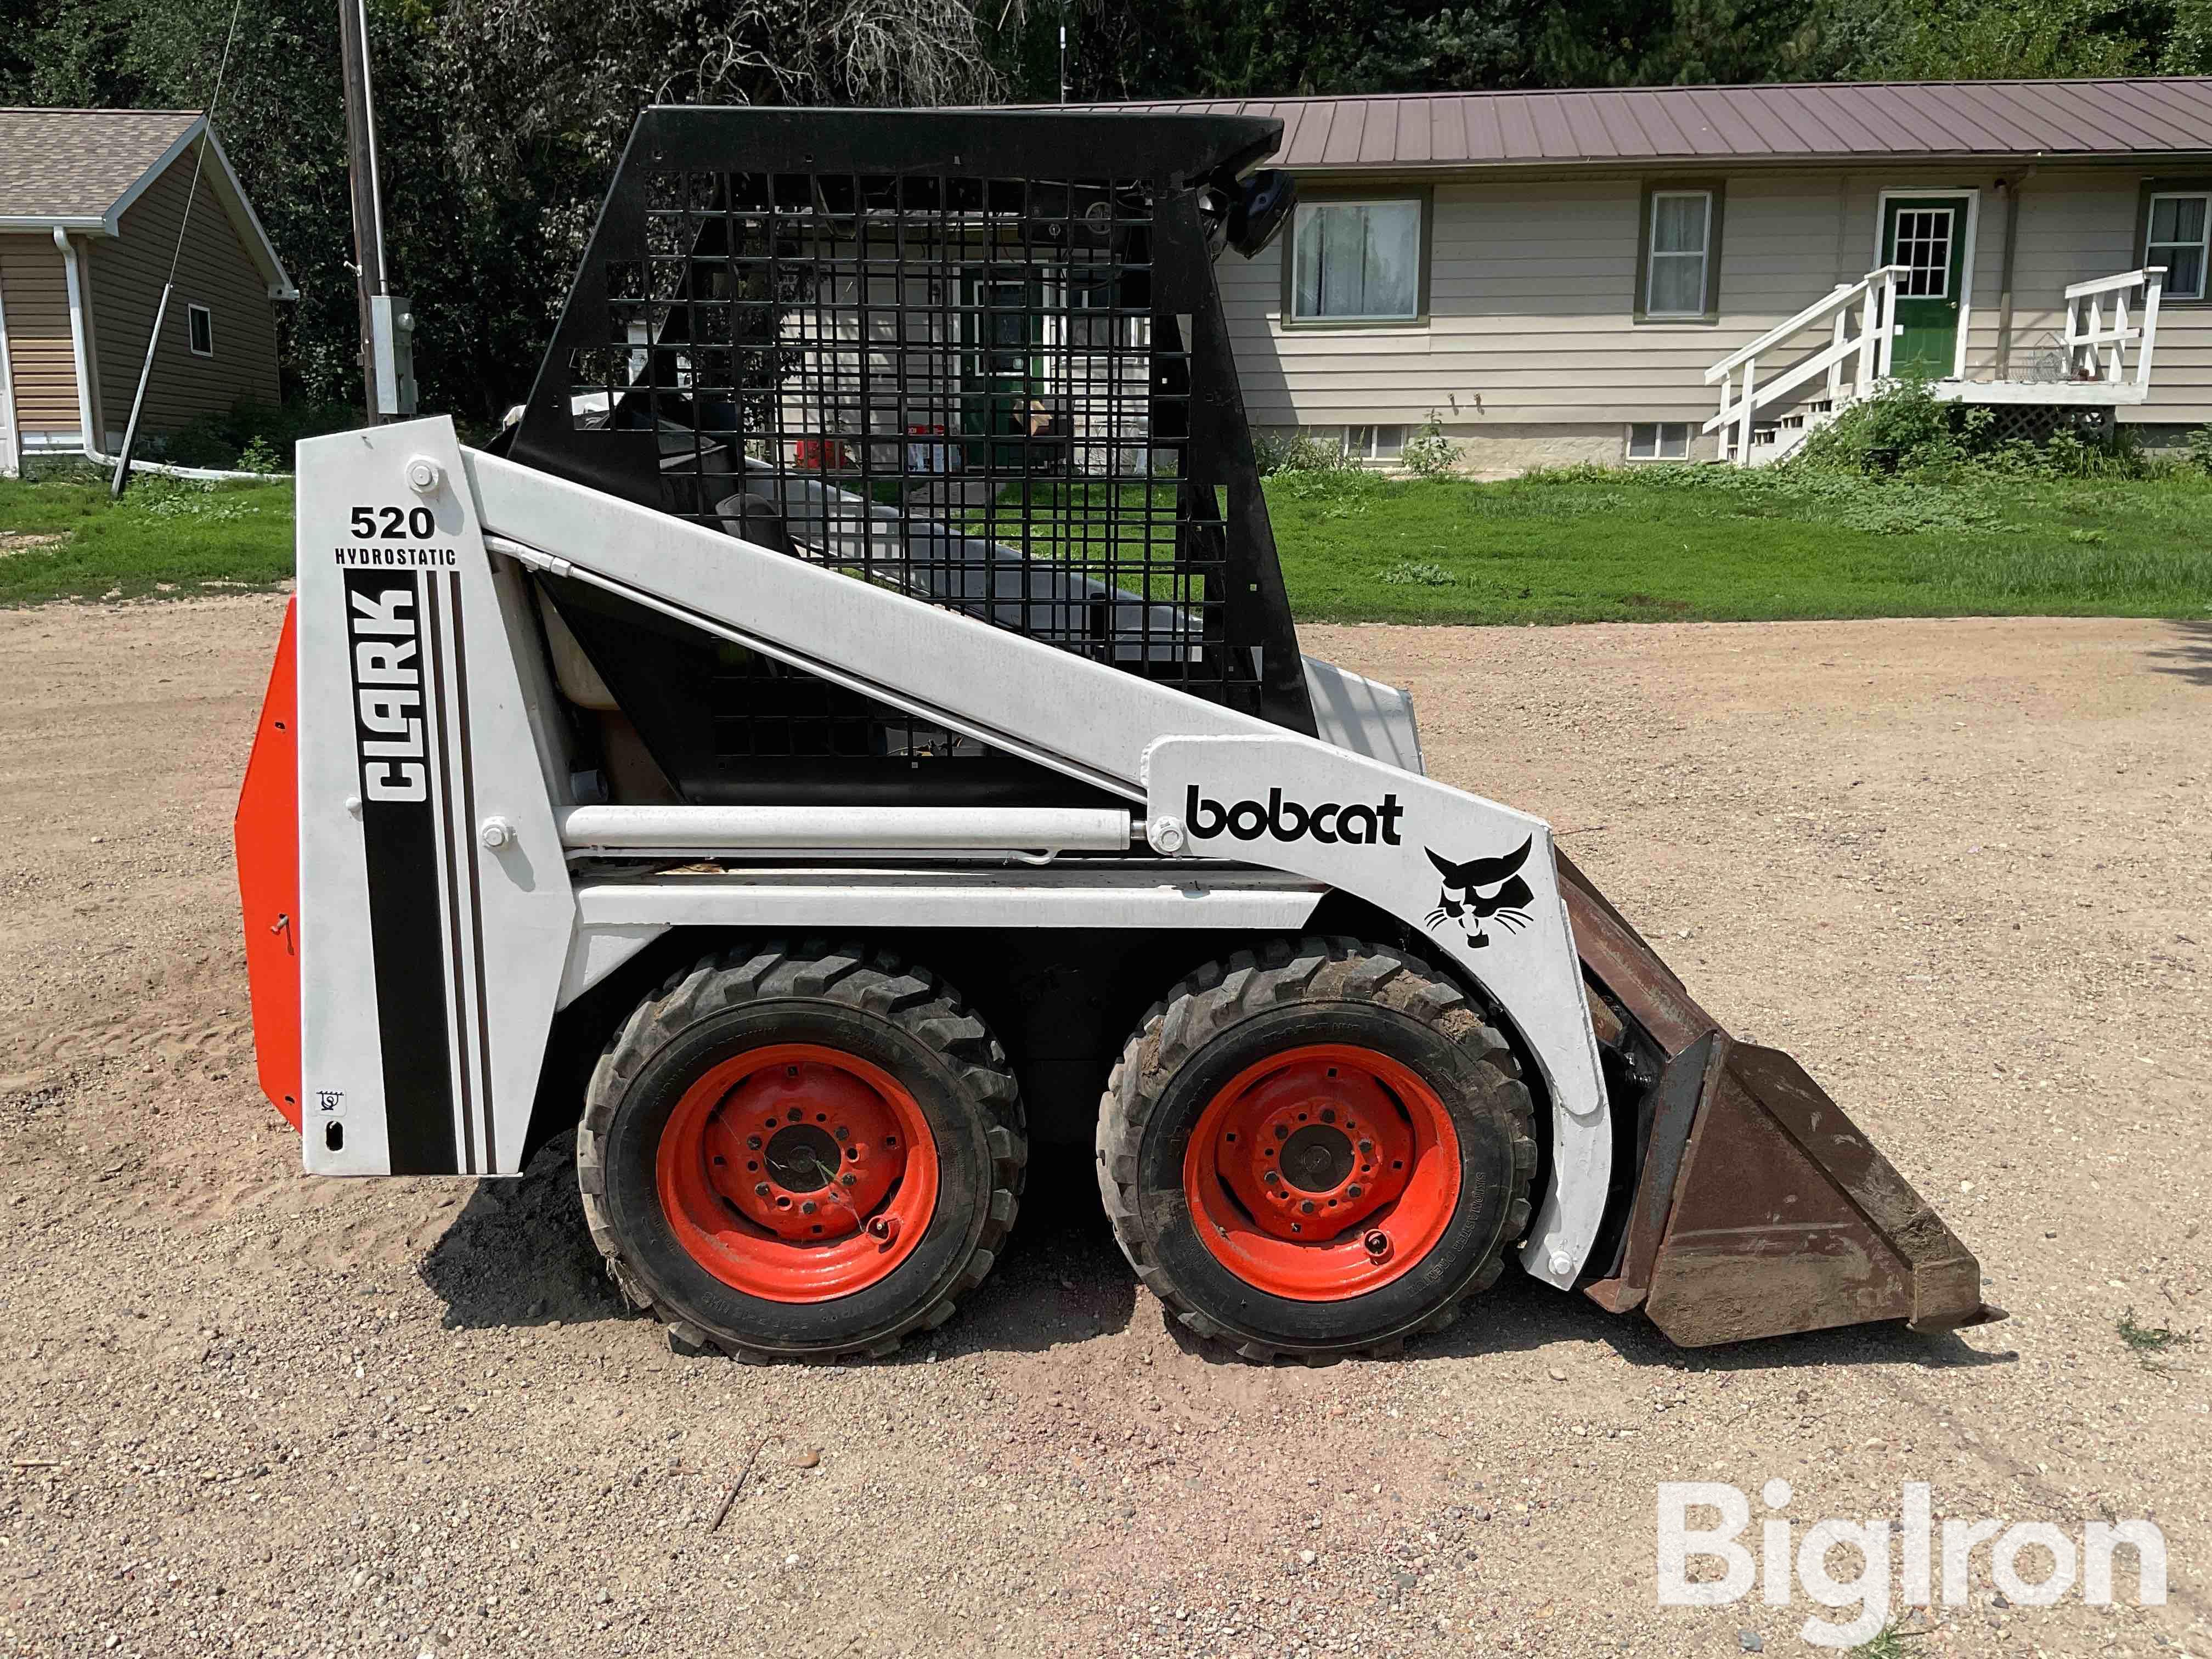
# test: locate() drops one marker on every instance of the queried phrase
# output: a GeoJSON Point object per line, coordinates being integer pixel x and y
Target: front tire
{"type": "Point", "coordinates": [800, 1152]}
{"type": "Point", "coordinates": [1316, 1150]}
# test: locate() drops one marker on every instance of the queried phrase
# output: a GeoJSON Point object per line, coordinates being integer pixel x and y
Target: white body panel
{"type": "Point", "coordinates": [1369, 829]}
{"type": "Point", "coordinates": [483, 984]}
{"type": "Point", "coordinates": [515, 939]}
{"type": "Point", "coordinates": [1020, 696]}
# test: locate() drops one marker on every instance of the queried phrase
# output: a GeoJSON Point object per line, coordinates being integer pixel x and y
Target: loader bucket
{"type": "Point", "coordinates": [1760, 1208]}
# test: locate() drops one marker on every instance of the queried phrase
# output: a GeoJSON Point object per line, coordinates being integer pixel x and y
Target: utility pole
{"type": "Point", "coordinates": [367, 199]}
{"type": "Point", "coordinates": [122, 479]}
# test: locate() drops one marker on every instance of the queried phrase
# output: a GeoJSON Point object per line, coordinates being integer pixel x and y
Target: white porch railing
{"type": "Point", "coordinates": [1857, 317]}
{"type": "Point", "coordinates": [2098, 331]}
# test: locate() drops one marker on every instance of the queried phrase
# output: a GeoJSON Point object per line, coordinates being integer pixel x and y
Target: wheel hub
{"type": "Point", "coordinates": [802, 1158]}
{"type": "Point", "coordinates": [1312, 1148]}
{"type": "Point", "coordinates": [1317, 1157]}
{"type": "Point", "coordinates": [803, 1148]}
{"type": "Point", "coordinates": [1322, 1173]}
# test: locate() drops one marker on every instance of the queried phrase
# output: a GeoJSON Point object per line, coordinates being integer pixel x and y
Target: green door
{"type": "Point", "coordinates": [1928, 236]}
{"type": "Point", "coordinates": [1002, 326]}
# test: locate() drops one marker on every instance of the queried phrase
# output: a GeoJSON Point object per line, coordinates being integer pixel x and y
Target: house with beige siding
{"type": "Point", "coordinates": [96, 207]}
{"type": "Point", "coordinates": [1710, 272]}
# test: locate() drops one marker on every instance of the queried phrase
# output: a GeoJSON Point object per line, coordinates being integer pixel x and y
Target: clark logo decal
{"type": "Point", "coordinates": [1482, 891]}
{"type": "Point", "coordinates": [387, 678]}
{"type": "Point", "coordinates": [1355, 824]}
{"type": "Point", "coordinates": [391, 625]}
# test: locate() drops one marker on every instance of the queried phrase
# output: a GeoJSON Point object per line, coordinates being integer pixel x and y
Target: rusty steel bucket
{"type": "Point", "coordinates": [1760, 1208]}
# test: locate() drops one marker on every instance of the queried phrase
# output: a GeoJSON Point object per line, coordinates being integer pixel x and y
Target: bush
{"type": "Point", "coordinates": [267, 431]}
{"type": "Point", "coordinates": [1428, 453]}
{"type": "Point", "coordinates": [1300, 451]}
{"type": "Point", "coordinates": [2200, 448]}
{"type": "Point", "coordinates": [1906, 431]}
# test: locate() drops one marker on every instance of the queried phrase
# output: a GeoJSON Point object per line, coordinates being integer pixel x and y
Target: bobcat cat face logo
{"type": "Point", "coordinates": [1481, 892]}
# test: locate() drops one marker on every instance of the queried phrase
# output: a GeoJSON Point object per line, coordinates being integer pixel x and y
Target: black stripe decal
{"type": "Point", "coordinates": [469, 861]}
{"type": "Point", "coordinates": [458, 997]}
{"type": "Point", "coordinates": [400, 841]}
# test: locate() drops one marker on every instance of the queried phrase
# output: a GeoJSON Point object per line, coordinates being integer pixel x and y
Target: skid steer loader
{"type": "Point", "coordinates": [850, 723]}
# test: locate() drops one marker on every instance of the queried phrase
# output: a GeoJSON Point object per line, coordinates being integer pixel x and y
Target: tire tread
{"type": "Point", "coordinates": [917, 1001]}
{"type": "Point", "coordinates": [1308, 971]}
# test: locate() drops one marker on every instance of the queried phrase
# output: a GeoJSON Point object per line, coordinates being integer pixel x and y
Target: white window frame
{"type": "Point", "coordinates": [1652, 256]}
{"type": "Point", "coordinates": [2203, 242]}
{"type": "Point", "coordinates": [1371, 448]}
{"type": "Point", "coordinates": [193, 313]}
{"type": "Point", "coordinates": [1292, 317]}
{"type": "Point", "coordinates": [1953, 226]}
{"type": "Point", "coordinates": [1659, 430]}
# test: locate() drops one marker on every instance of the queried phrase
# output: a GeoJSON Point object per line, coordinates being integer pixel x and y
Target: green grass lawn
{"type": "Point", "coordinates": [1719, 543]}
{"type": "Point", "coordinates": [169, 536]}
{"type": "Point", "coordinates": [1582, 545]}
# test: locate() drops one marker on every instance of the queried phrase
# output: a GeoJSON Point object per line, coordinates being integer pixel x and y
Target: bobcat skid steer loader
{"type": "Point", "coordinates": [850, 723]}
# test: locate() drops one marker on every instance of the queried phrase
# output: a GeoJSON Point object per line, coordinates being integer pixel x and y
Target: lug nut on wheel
{"type": "Point", "coordinates": [1378, 1244]}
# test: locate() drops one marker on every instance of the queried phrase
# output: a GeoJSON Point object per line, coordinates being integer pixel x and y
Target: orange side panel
{"type": "Point", "coordinates": [266, 834]}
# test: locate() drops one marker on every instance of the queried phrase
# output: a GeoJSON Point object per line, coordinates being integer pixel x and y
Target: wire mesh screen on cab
{"type": "Point", "coordinates": [976, 357]}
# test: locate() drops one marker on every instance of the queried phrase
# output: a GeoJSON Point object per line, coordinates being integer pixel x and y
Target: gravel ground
{"type": "Point", "coordinates": [1961, 868]}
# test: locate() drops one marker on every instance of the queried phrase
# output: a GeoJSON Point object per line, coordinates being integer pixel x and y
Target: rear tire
{"type": "Point", "coordinates": [1316, 1150]}
{"type": "Point", "coordinates": [800, 1152]}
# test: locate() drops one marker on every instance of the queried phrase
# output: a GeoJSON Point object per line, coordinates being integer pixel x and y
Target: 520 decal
{"type": "Point", "coordinates": [393, 523]}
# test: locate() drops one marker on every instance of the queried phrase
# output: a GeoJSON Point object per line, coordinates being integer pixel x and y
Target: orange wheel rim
{"type": "Point", "coordinates": [798, 1173]}
{"type": "Point", "coordinates": [1322, 1172]}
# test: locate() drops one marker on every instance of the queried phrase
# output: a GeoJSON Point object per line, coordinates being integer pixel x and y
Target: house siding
{"type": "Point", "coordinates": [42, 359]}
{"type": "Point", "coordinates": [1532, 289]}
{"type": "Point", "coordinates": [214, 271]}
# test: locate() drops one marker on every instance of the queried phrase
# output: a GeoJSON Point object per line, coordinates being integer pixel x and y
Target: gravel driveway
{"type": "Point", "coordinates": [1962, 869]}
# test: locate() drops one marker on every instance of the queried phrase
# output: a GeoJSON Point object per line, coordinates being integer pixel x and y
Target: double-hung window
{"type": "Point", "coordinates": [1358, 261]}
{"type": "Point", "coordinates": [1678, 255]}
{"type": "Point", "coordinates": [2178, 235]}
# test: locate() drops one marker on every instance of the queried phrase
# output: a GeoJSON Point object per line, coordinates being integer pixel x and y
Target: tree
{"type": "Point", "coordinates": [2002, 40]}
{"type": "Point", "coordinates": [499, 123]}
{"type": "Point", "coordinates": [2188, 49]}
{"type": "Point", "coordinates": [500, 119]}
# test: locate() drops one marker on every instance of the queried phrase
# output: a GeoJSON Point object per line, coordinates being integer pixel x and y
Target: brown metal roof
{"type": "Point", "coordinates": [75, 163]}
{"type": "Point", "coordinates": [1890, 119]}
